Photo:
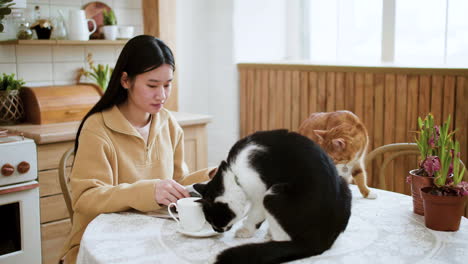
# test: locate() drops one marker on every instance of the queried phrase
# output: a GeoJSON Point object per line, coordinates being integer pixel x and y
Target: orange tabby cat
{"type": "Point", "coordinates": [344, 137]}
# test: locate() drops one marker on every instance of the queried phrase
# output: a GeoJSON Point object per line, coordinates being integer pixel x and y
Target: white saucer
{"type": "Point", "coordinates": [207, 231]}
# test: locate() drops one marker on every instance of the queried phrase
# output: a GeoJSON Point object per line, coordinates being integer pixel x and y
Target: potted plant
{"type": "Point", "coordinates": [11, 106]}
{"type": "Point", "coordinates": [110, 25]}
{"type": "Point", "coordinates": [444, 202]}
{"type": "Point", "coordinates": [428, 145]}
{"type": "Point", "coordinates": [100, 73]}
{"type": "Point", "coordinates": [4, 11]}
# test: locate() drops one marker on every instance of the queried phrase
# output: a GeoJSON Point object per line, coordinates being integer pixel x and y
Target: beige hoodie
{"type": "Point", "coordinates": [114, 170]}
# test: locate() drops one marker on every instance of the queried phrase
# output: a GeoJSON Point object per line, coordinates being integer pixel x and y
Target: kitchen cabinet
{"type": "Point", "coordinates": [54, 139]}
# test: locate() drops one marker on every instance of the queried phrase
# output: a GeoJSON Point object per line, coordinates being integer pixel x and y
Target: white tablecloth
{"type": "Point", "coordinates": [384, 230]}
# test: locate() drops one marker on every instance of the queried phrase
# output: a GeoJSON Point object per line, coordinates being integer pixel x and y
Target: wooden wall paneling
{"type": "Point", "coordinates": [295, 100]}
{"type": "Point", "coordinates": [330, 92]}
{"type": "Point", "coordinates": [340, 91]}
{"type": "Point", "coordinates": [272, 95]}
{"type": "Point", "coordinates": [322, 92]}
{"type": "Point", "coordinates": [349, 91]}
{"type": "Point", "coordinates": [313, 92]}
{"type": "Point", "coordinates": [368, 106]}
{"type": "Point", "coordinates": [424, 95]}
{"type": "Point", "coordinates": [280, 85]}
{"type": "Point", "coordinates": [448, 104]}
{"type": "Point", "coordinates": [401, 105]}
{"type": "Point", "coordinates": [411, 123]}
{"type": "Point", "coordinates": [379, 94]}
{"type": "Point", "coordinates": [304, 97]}
{"type": "Point", "coordinates": [368, 117]}
{"type": "Point", "coordinates": [257, 100]}
{"type": "Point", "coordinates": [359, 95]}
{"type": "Point", "coordinates": [264, 100]}
{"type": "Point", "coordinates": [389, 123]}
{"type": "Point", "coordinates": [250, 102]}
{"type": "Point", "coordinates": [242, 100]}
{"type": "Point", "coordinates": [461, 116]}
{"type": "Point", "coordinates": [287, 99]}
{"type": "Point", "coordinates": [437, 98]}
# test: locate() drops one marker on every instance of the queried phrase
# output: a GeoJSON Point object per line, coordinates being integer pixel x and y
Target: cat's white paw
{"type": "Point", "coordinates": [371, 195]}
{"type": "Point", "coordinates": [268, 236]}
{"type": "Point", "coordinates": [244, 232]}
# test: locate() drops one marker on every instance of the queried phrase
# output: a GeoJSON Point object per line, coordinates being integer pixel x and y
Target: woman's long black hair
{"type": "Point", "coordinates": [141, 54]}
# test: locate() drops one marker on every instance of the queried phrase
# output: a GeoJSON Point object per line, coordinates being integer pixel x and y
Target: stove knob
{"type": "Point", "coordinates": [23, 167]}
{"type": "Point", "coordinates": [7, 169]}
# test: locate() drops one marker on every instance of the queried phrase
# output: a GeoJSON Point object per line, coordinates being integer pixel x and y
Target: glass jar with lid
{"type": "Point", "coordinates": [24, 32]}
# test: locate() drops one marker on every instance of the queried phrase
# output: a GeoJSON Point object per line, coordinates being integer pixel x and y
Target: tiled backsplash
{"type": "Point", "coordinates": [58, 65]}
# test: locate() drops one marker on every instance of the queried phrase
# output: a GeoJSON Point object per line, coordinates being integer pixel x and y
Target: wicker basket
{"type": "Point", "coordinates": [11, 107]}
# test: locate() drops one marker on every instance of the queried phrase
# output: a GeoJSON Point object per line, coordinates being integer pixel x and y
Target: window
{"type": "Point", "coordinates": [420, 33]}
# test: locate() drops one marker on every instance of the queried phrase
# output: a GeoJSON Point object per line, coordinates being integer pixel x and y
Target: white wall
{"type": "Point", "coordinates": [206, 70]}
{"type": "Point", "coordinates": [212, 36]}
{"type": "Point", "coordinates": [260, 30]}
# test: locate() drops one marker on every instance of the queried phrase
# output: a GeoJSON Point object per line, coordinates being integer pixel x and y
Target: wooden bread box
{"type": "Point", "coordinates": [56, 104]}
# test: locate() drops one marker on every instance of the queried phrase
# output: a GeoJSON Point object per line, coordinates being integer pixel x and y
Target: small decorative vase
{"type": "Point", "coordinates": [418, 182]}
{"type": "Point", "coordinates": [11, 107]}
{"type": "Point", "coordinates": [442, 213]}
{"type": "Point", "coordinates": [110, 32]}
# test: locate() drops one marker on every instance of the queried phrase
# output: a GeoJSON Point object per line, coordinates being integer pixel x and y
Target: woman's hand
{"type": "Point", "coordinates": [169, 191]}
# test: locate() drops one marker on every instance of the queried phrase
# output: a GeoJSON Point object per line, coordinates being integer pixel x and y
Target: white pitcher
{"type": "Point", "coordinates": [78, 25]}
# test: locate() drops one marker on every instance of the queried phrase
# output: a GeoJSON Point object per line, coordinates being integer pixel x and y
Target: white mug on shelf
{"type": "Point", "coordinates": [78, 25]}
{"type": "Point", "coordinates": [191, 217]}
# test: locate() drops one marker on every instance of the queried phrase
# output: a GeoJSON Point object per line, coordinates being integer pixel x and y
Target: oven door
{"type": "Point", "coordinates": [20, 239]}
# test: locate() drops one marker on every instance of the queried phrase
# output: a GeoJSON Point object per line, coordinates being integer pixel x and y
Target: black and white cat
{"type": "Point", "coordinates": [306, 204]}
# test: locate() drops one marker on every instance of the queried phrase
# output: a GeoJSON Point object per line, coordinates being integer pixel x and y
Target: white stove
{"type": "Point", "coordinates": [20, 239]}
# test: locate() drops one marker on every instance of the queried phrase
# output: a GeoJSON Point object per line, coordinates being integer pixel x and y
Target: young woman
{"type": "Point", "coordinates": [129, 149]}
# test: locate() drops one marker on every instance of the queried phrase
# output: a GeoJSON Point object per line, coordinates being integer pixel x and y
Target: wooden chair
{"type": "Point", "coordinates": [397, 149]}
{"type": "Point", "coordinates": [65, 180]}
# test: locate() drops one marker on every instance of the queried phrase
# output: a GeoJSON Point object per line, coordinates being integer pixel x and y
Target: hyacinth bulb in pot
{"type": "Point", "coordinates": [428, 143]}
{"type": "Point", "coordinates": [442, 171]}
{"type": "Point", "coordinates": [444, 202]}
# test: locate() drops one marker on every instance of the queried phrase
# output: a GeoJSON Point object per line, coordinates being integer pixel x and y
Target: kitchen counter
{"type": "Point", "coordinates": [58, 132]}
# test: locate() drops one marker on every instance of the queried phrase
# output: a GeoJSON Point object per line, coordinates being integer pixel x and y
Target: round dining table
{"type": "Point", "coordinates": [384, 230]}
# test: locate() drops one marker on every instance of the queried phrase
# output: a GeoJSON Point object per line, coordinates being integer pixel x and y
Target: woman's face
{"type": "Point", "coordinates": [150, 90]}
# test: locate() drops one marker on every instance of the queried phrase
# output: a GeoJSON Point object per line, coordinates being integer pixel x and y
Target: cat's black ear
{"type": "Point", "coordinates": [200, 188]}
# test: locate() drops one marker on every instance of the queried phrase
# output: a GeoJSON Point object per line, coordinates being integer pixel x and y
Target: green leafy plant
{"type": "Point", "coordinates": [109, 18]}
{"type": "Point", "coordinates": [100, 73]}
{"type": "Point", "coordinates": [4, 11]}
{"type": "Point", "coordinates": [10, 83]}
{"type": "Point", "coordinates": [440, 157]}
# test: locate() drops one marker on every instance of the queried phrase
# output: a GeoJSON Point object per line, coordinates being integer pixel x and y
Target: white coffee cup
{"type": "Point", "coordinates": [191, 217]}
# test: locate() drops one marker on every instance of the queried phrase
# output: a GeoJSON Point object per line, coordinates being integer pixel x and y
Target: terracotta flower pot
{"type": "Point", "coordinates": [442, 213]}
{"type": "Point", "coordinates": [418, 182]}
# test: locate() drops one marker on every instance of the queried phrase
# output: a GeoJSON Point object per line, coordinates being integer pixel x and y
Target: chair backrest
{"type": "Point", "coordinates": [65, 180]}
{"type": "Point", "coordinates": [397, 149]}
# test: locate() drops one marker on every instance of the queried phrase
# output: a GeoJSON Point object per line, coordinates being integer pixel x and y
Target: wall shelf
{"type": "Point", "coordinates": [63, 42]}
